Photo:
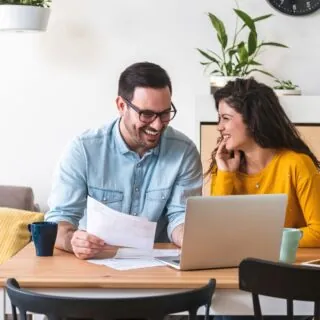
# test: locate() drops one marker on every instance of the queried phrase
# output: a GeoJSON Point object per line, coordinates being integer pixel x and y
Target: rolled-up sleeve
{"type": "Point", "coordinates": [68, 197]}
{"type": "Point", "coordinates": [188, 183]}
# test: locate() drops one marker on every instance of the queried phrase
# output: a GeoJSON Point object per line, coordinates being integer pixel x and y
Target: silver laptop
{"type": "Point", "coordinates": [221, 231]}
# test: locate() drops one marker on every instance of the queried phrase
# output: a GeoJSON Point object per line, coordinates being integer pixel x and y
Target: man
{"type": "Point", "coordinates": [137, 165]}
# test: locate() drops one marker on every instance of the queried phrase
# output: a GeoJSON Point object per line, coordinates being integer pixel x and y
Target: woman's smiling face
{"type": "Point", "coordinates": [232, 128]}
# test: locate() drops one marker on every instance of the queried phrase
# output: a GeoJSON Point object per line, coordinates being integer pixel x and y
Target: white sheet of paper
{"type": "Point", "coordinates": [127, 264]}
{"type": "Point", "coordinates": [130, 253]}
{"type": "Point", "coordinates": [129, 258]}
{"type": "Point", "coordinates": [117, 228]}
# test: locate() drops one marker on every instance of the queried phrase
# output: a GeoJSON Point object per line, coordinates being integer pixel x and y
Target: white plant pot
{"type": "Point", "coordinates": [217, 82]}
{"type": "Point", "coordinates": [23, 18]}
{"type": "Point", "coordinates": [284, 92]}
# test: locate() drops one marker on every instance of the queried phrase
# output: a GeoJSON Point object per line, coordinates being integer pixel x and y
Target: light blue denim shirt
{"type": "Point", "coordinates": [98, 163]}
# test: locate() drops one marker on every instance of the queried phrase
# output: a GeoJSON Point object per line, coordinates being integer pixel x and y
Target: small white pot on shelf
{"type": "Point", "coordinates": [23, 18]}
{"type": "Point", "coordinates": [288, 92]}
{"type": "Point", "coordinates": [217, 82]}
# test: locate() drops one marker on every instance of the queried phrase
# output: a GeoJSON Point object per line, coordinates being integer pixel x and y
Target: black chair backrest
{"type": "Point", "coordinates": [280, 280]}
{"type": "Point", "coordinates": [149, 307]}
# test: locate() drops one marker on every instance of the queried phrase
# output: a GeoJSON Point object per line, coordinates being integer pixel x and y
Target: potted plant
{"type": "Point", "coordinates": [24, 15]}
{"type": "Point", "coordinates": [286, 88]}
{"type": "Point", "coordinates": [238, 57]}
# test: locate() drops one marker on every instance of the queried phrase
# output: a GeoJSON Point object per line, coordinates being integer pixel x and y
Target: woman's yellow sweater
{"type": "Point", "coordinates": [288, 172]}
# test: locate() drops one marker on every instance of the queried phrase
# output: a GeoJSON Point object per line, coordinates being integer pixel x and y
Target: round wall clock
{"type": "Point", "coordinates": [296, 7]}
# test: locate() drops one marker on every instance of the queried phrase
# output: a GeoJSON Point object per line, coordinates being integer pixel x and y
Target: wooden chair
{"type": "Point", "coordinates": [280, 280]}
{"type": "Point", "coordinates": [149, 307]}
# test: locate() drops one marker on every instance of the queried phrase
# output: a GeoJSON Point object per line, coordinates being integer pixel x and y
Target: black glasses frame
{"type": "Point", "coordinates": [153, 115]}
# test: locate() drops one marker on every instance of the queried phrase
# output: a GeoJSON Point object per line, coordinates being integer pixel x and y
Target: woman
{"type": "Point", "coordinates": [261, 152]}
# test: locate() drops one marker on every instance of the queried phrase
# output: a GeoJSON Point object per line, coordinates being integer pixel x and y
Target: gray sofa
{"type": "Point", "coordinates": [17, 197]}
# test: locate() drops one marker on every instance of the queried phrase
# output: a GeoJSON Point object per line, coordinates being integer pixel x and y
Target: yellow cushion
{"type": "Point", "coordinates": [14, 233]}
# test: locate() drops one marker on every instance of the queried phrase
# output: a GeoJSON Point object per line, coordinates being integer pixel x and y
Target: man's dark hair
{"type": "Point", "coordinates": [142, 74]}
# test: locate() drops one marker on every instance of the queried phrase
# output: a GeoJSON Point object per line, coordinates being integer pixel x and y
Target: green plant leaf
{"type": "Point", "coordinates": [254, 63]}
{"type": "Point", "coordinates": [261, 71]}
{"type": "Point", "coordinates": [217, 72]}
{"type": "Point", "coordinates": [212, 59]}
{"type": "Point", "coordinates": [221, 31]}
{"type": "Point", "coordinates": [236, 71]}
{"type": "Point", "coordinates": [262, 17]}
{"type": "Point", "coordinates": [274, 44]}
{"type": "Point", "coordinates": [240, 57]}
{"type": "Point", "coordinates": [284, 84]}
{"type": "Point", "coordinates": [252, 43]}
{"type": "Point", "coordinates": [37, 3]}
{"type": "Point", "coordinates": [228, 67]}
{"type": "Point", "coordinates": [258, 19]}
{"type": "Point", "coordinates": [243, 53]}
{"type": "Point", "coordinates": [232, 52]}
{"type": "Point", "coordinates": [248, 21]}
{"type": "Point", "coordinates": [215, 54]}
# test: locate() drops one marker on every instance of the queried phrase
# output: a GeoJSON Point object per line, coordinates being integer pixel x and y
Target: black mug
{"type": "Point", "coordinates": [44, 237]}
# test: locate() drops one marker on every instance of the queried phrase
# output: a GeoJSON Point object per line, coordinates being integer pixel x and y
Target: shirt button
{"type": "Point", "coordinates": [138, 165]}
{"type": "Point", "coordinates": [136, 189]}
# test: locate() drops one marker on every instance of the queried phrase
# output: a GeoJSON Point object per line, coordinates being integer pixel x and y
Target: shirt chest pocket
{"type": "Point", "coordinates": [156, 201]}
{"type": "Point", "coordinates": [112, 198]}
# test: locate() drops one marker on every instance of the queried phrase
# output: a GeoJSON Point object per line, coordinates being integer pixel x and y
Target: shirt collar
{"type": "Point", "coordinates": [123, 147]}
{"type": "Point", "coordinates": [118, 137]}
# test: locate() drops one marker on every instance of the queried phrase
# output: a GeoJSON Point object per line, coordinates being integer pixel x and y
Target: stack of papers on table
{"type": "Point", "coordinates": [128, 258]}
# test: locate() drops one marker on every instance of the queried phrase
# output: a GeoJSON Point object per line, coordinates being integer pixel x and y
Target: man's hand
{"type": "Point", "coordinates": [177, 235]}
{"type": "Point", "coordinates": [85, 245]}
{"type": "Point", "coordinates": [81, 243]}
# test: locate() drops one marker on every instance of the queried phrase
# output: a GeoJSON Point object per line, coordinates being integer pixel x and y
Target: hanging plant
{"type": "Point", "coordinates": [24, 15]}
{"type": "Point", "coordinates": [36, 3]}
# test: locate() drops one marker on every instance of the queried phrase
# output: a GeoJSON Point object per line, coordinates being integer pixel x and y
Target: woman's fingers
{"type": "Point", "coordinates": [221, 148]}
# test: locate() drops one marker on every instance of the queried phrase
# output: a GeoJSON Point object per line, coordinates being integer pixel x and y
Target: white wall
{"type": "Point", "coordinates": [56, 84]}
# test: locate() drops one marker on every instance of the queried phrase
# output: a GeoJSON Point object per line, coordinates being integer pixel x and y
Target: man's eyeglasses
{"type": "Point", "coordinates": [148, 116]}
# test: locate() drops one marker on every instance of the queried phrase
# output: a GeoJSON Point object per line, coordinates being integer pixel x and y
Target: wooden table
{"type": "Point", "coordinates": [64, 274]}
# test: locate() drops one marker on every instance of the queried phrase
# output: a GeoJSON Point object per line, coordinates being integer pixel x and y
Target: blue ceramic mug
{"type": "Point", "coordinates": [44, 237]}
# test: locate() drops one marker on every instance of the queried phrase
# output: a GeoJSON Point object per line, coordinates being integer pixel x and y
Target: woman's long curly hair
{"type": "Point", "coordinates": [266, 121]}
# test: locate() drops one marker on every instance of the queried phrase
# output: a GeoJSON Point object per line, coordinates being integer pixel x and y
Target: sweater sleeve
{"type": "Point", "coordinates": [222, 183]}
{"type": "Point", "coordinates": [308, 193]}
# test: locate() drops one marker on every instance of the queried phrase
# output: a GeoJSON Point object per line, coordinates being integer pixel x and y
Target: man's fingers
{"type": "Point", "coordinates": [83, 235]}
{"type": "Point", "coordinates": [84, 256]}
{"type": "Point", "coordinates": [85, 253]}
{"type": "Point", "coordinates": [85, 244]}
{"type": "Point", "coordinates": [95, 240]}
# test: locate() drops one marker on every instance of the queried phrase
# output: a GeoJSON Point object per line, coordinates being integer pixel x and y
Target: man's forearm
{"type": "Point", "coordinates": [177, 235]}
{"type": "Point", "coordinates": [65, 233]}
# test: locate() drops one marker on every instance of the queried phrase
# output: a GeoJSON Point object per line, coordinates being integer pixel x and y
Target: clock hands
{"type": "Point", "coordinates": [294, 5]}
